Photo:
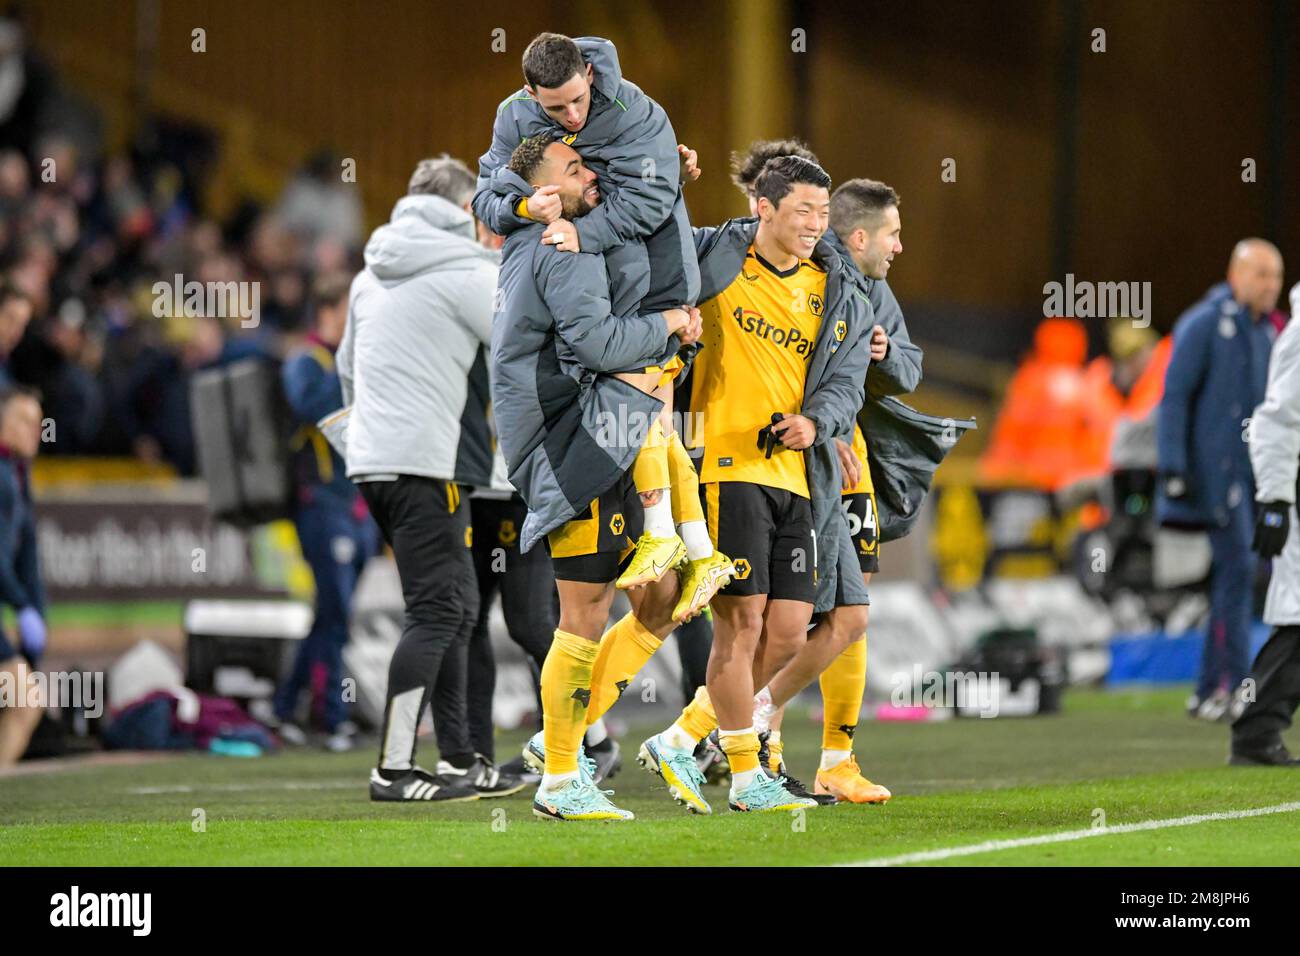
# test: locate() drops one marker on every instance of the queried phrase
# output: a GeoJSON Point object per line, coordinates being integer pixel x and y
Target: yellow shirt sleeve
{"type": "Point", "coordinates": [864, 485]}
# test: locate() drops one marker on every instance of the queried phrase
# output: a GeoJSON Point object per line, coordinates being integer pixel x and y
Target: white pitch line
{"type": "Point", "coordinates": [247, 787]}
{"type": "Point", "coordinates": [992, 846]}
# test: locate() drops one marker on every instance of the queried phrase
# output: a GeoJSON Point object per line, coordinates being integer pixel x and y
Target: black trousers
{"type": "Point", "coordinates": [530, 606]}
{"type": "Point", "coordinates": [1276, 673]}
{"type": "Point", "coordinates": [694, 641]}
{"type": "Point", "coordinates": [426, 522]}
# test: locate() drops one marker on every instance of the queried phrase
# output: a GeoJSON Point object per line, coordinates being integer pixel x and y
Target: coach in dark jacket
{"type": "Point", "coordinates": [1217, 375]}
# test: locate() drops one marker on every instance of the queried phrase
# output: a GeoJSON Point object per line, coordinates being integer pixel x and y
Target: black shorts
{"type": "Point", "coordinates": [7, 650]}
{"type": "Point", "coordinates": [860, 512]}
{"type": "Point", "coordinates": [497, 523]}
{"type": "Point", "coordinates": [768, 534]}
{"type": "Point", "coordinates": [593, 545]}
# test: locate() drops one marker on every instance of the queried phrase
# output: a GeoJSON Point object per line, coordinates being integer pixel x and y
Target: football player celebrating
{"type": "Point", "coordinates": [575, 90]}
{"type": "Point", "coordinates": [568, 332]}
{"type": "Point", "coordinates": [781, 373]}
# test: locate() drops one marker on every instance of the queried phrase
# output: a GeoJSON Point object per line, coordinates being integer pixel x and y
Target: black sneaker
{"type": "Point", "coordinates": [487, 779]}
{"type": "Point", "coordinates": [711, 760]}
{"type": "Point", "coordinates": [1262, 755]}
{"type": "Point", "coordinates": [608, 757]}
{"type": "Point", "coordinates": [794, 786]}
{"type": "Point", "coordinates": [764, 753]}
{"type": "Point", "coordinates": [417, 784]}
{"type": "Point", "coordinates": [517, 768]}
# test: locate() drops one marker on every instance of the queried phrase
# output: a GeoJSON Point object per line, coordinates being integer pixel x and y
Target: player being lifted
{"type": "Point", "coordinates": [575, 89]}
{"type": "Point", "coordinates": [567, 327]}
{"type": "Point", "coordinates": [781, 373]}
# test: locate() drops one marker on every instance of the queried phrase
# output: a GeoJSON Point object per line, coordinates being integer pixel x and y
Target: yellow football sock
{"type": "Point", "coordinates": [843, 684]}
{"type": "Point", "coordinates": [650, 470]}
{"type": "Point", "coordinates": [741, 750]}
{"type": "Point", "coordinates": [624, 649]}
{"type": "Point", "coordinates": [685, 482]}
{"type": "Point", "coordinates": [566, 692]}
{"type": "Point", "coordinates": [698, 718]}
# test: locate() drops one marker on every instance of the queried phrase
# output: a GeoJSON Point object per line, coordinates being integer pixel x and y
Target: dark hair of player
{"type": "Point", "coordinates": [551, 60]}
{"type": "Point", "coordinates": [859, 204]}
{"type": "Point", "coordinates": [746, 166]}
{"type": "Point", "coordinates": [528, 155]}
{"type": "Point", "coordinates": [779, 176]}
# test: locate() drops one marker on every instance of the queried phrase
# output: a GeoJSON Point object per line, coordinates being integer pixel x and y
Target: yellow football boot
{"type": "Point", "coordinates": [845, 782]}
{"type": "Point", "coordinates": [701, 580]}
{"type": "Point", "coordinates": [654, 557]}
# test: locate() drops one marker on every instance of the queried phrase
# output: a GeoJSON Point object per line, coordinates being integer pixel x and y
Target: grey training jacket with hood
{"type": "Point", "coordinates": [568, 429]}
{"type": "Point", "coordinates": [419, 315]}
{"type": "Point", "coordinates": [1275, 458]}
{"type": "Point", "coordinates": [899, 372]}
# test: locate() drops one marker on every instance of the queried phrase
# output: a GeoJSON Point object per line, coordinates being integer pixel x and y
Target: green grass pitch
{"type": "Point", "coordinates": [1131, 756]}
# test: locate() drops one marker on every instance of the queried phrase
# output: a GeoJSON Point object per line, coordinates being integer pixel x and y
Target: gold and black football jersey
{"type": "Point", "coordinates": [758, 339]}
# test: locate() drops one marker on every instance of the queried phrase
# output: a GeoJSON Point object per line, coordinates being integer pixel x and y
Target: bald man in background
{"type": "Point", "coordinates": [1217, 375]}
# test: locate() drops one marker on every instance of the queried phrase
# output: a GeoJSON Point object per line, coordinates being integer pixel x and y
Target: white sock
{"type": "Point", "coordinates": [833, 758]}
{"type": "Point", "coordinates": [696, 536]}
{"type": "Point", "coordinates": [678, 738]}
{"type": "Point", "coordinates": [739, 781]}
{"type": "Point", "coordinates": [554, 781]}
{"type": "Point", "coordinates": [596, 733]}
{"type": "Point", "coordinates": [764, 711]}
{"type": "Point", "coordinates": [659, 516]}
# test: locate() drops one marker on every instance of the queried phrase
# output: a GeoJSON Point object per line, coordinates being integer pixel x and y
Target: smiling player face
{"type": "Point", "coordinates": [799, 221]}
{"type": "Point", "coordinates": [564, 168]}
{"type": "Point", "coordinates": [882, 243]}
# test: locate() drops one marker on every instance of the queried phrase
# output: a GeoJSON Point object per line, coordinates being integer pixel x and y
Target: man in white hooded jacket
{"type": "Point", "coordinates": [418, 315]}
{"type": "Point", "coordinates": [1275, 458]}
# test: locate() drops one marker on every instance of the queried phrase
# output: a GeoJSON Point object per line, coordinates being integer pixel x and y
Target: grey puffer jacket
{"type": "Point", "coordinates": [418, 316]}
{"type": "Point", "coordinates": [567, 428]}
